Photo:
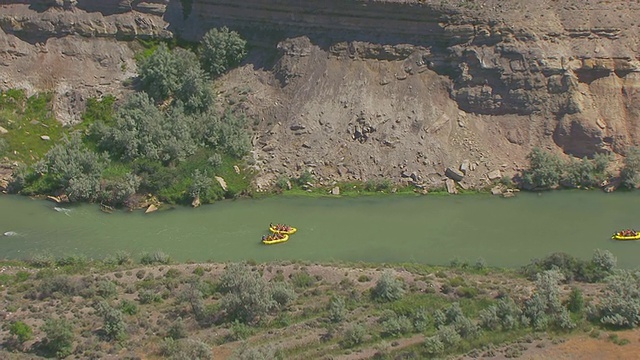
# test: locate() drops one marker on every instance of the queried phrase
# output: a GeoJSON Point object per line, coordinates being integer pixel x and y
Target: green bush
{"type": "Point", "coordinates": [388, 288]}
{"type": "Point", "coordinates": [157, 257]}
{"type": "Point", "coordinates": [246, 294]}
{"type": "Point", "coordinates": [337, 309]}
{"type": "Point", "coordinates": [544, 172]}
{"type": "Point", "coordinates": [619, 307]}
{"type": "Point", "coordinates": [71, 167]}
{"type": "Point", "coordinates": [544, 308]}
{"type": "Point", "coordinates": [221, 49]}
{"type": "Point", "coordinates": [396, 326]}
{"type": "Point", "coordinates": [575, 303]}
{"type": "Point", "coordinates": [164, 73]}
{"type": "Point", "coordinates": [128, 307]}
{"type": "Point", "coordinates": [21, 331]}
{"type": "Point", "coordinates": [240, 331]}
{"type": "Point", "coordinates": [302, 279]}
{"type": "Point", "coordinates": [113, 323]}
{"type": "Point", "coordinates": [178, 330]}
{"type": "Point", "coordinates": [185, 349]}
{"type": "Point", "coordinates": [107, 289]}
{"type": "Point", "coordinates": [630, 173]}
{"type": "Point", "coordinates": [59, 337]}
{"type": "Point", "coordinates": [433, 346]}
{"type": "Point", "coordinates": [282, 294]}
{"type": "Point", "coordinates": [149, 297]}
{"type": "Point", "coordinates": [353, 335]}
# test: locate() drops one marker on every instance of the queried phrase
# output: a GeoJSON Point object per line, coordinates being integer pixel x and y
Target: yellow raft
{"type": "Point", "coordinates": [285, 238]}
{"type": "Point", "coordinates": [619, 236]}
{"type": "Point", "coordinates": [291, 231]}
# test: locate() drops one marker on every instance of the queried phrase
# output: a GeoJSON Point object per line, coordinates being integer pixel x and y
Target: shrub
{"type": "Point", "coordinates": [544, 170]}
{"type": "Point", "coordinates": [433, 346]}
{"type": "Point", "coordinates": [420, 319]}
{"type": "Point", "coordinates": [480, 264]}
{"type": "Point", "coordinates": [581, 173]}
{"type": "Point", "coordinates": [59, 337]}
{"type": "Point", "coordinates": [123, 258]}
{"type": "Point", "coordinates": [604, 260]}
{"type": "Point", "coordinates": [175, 72]}
{"type": "Point", "coordinates": [239, 331]}
{"type": "Point", "coordinates": [337, 309]}
{"type": "Point", "coordinates": [178, 330]}
{"type": "Point", "coordinates": [221, 50]}
{"type": "Point", "coordinates": [185, 349]}
{"type": "Point", "coordinates": [148, 297]}
{"type": "Point", "coordinates": [388, 288]}
{"type": "Point", "coordinates": [200, 184]}
{"type": "Point", "coordinates": [114, 325]}
{"type": "Point", "coordinates": [157, 257]}
{"type": "Point", "coordinates": [142, 130]}
{"type": "Point", "coordinates": [283, 294]}
{"type": "Point", "coordinates": [107, 289]}
{"type": "Point", "coordinates": [544, 307]}
{"type": "Point", "coordinates": [62, 284]}
{"type": "Point", "coordinates": [246, 294]}
{"type": "Point", "coordinates": [378, 185]}
{"type": "Point", "coordinates": [266, 352]}
{"type": "Point", "coordinates": [630, 173]}
{"type": "Point", "coordinates": [576, 301]}
{"type": "Point", "coordinates": [353, 335]}
{"type": "Point", "coordinates": [128, 307]}
{"type": "Point", "coordinates": [396, 326]}
{"type": "Point", "coordinates": [448, 336]}
{"type": "Point", "coordinates": [302, 279]}
{"type": "Point", "coordinates": [21, 331]}
{"type": "Point", "coordinates": [620, 305]}
{"type": "Point", "coordinates": [73, 168]}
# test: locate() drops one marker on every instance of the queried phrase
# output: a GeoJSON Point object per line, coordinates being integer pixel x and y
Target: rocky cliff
{"type": "Point", "coordinates": [365, 89]}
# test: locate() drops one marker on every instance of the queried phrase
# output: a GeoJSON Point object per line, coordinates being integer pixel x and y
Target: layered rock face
{"type": "Point", "coordinates": [365, 89]}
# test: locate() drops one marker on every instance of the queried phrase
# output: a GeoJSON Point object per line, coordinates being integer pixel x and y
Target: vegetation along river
{"type": "Point", "coordinates": [424, 229]}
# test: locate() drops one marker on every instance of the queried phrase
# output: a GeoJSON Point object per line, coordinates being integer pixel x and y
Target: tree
{"type": "Point", "coordinates": [59, 336]}
{"type": "Point", "coordinates": [630, 173]}
{"type": "Point", "coordinates": [221, 50]}
{"type": "Point", "coordinates": [388, 288]}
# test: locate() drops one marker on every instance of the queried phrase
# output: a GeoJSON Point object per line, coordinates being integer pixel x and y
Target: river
{"type": "Point", "coordinates": [432, 229]}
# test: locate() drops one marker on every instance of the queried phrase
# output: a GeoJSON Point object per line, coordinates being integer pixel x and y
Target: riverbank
{"type": "Point", "coordinates": [116, 308]}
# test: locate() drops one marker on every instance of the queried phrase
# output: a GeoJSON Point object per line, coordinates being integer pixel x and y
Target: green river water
{"type": "Point", "coordinates": [425, 229]}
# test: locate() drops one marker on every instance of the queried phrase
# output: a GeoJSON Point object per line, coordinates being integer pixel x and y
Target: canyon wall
{"type": "Point", "coordinates": [357, 89]}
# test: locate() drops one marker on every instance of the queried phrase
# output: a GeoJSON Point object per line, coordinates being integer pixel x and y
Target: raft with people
{"type": "Point", "coordinates": [282, 229]}
{"type": "Point", "coordinates": [626, 235]}
{"type": "Point", "coordinates": [275, 238]}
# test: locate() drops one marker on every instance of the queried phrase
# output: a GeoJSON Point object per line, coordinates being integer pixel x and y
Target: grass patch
{"type": "Point", "coordinates": [27, 119]}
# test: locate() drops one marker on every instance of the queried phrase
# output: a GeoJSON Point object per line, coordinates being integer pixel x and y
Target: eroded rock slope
{"type": "Point", "coordinates": [369, 89]}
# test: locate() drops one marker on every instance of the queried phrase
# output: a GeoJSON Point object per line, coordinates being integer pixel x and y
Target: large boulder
{"type": "Point", "coordinates": [453, 174]}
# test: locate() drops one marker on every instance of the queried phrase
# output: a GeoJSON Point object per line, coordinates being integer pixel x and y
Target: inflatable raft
{"type": "Point", "coordinates": [285, 238]}
{"type": "Point", "coordinates": [619, 236]}
{"type": "Point", "coordinates": [291, 231]}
